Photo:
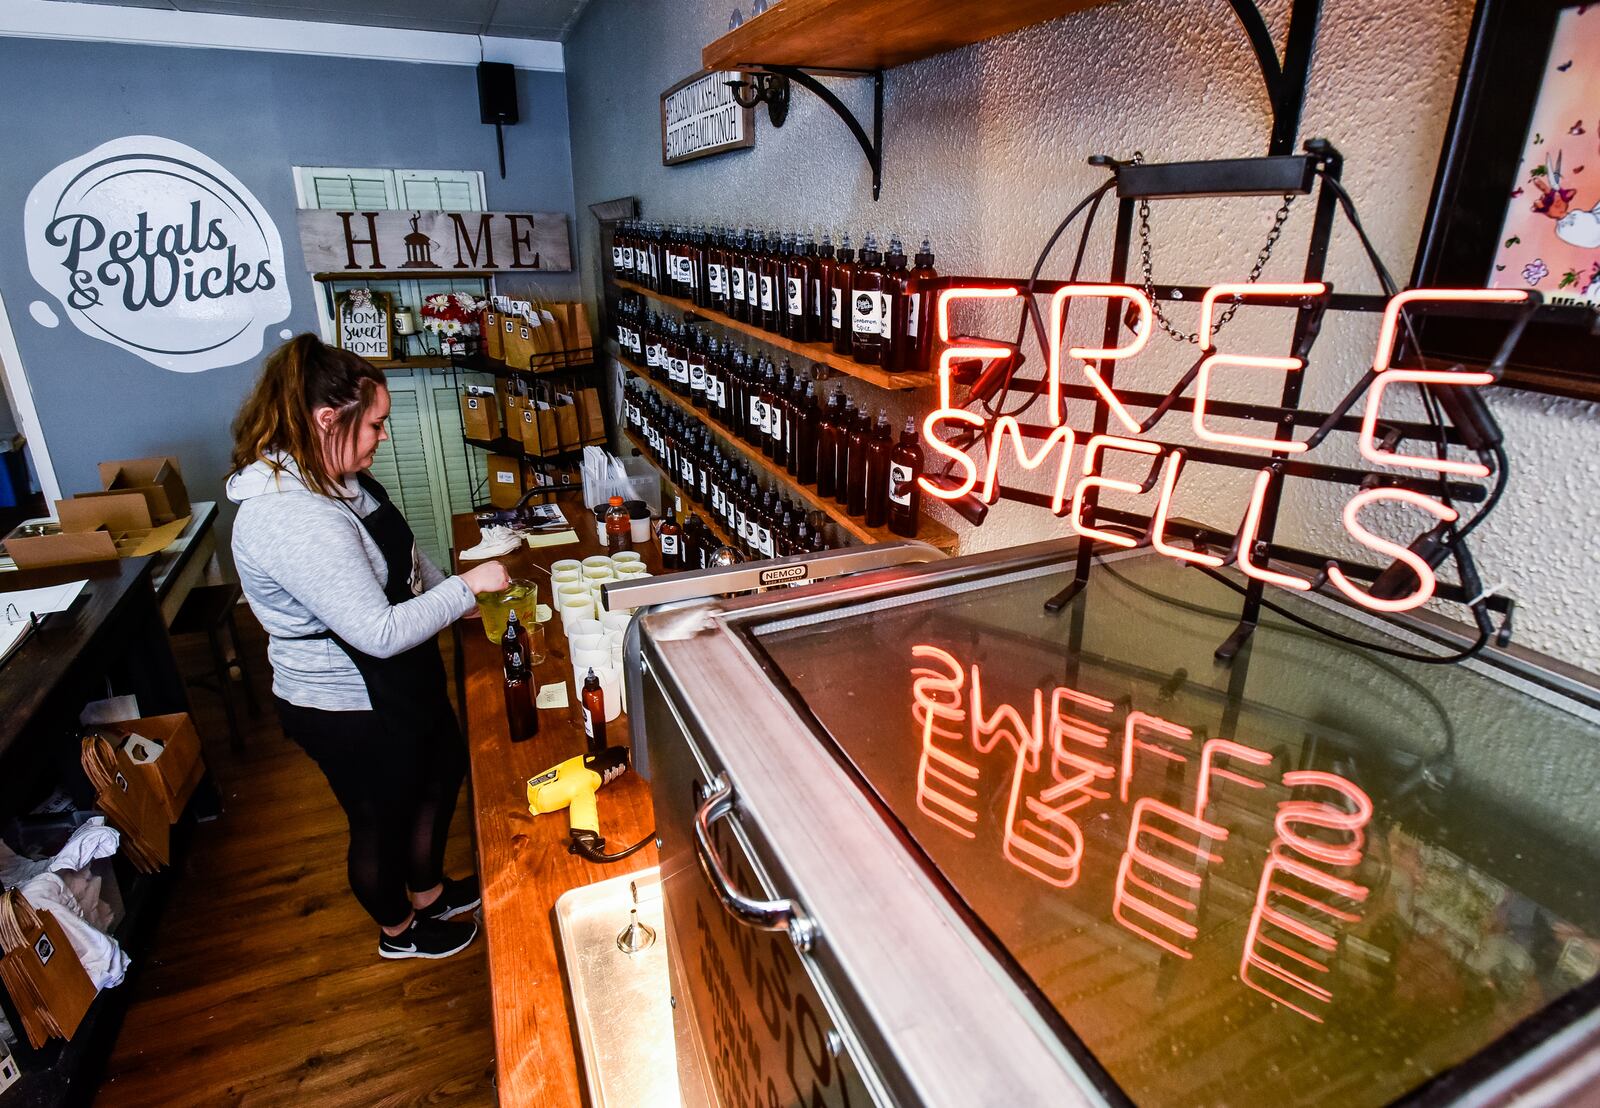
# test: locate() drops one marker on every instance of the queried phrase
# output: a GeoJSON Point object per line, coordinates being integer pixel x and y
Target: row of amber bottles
{"type": "Point", "coordinates": [874, 307]}
{"type": "Point", "coordinates": [778, 411]}
{"type": "Point", "coordinates": [762, 521]}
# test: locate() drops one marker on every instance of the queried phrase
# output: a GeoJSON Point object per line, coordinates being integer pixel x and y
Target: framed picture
{"type": "Point", "coordinates": [1516, 203]}
{"type": "Point", "coordinates": [364, 322]}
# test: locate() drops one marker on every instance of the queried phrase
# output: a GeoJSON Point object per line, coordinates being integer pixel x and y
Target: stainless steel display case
{"type": "Point", "coordinates": [923, 842]}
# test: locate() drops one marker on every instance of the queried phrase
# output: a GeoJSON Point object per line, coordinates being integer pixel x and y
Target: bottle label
{"type": "Point", "coordinates": [816, 297]}
{"type": "Point", "coordinates": [885, 315]}
{"type": "Point", "coordinates": [697, 378]}
{"type": "Point", "coordinates": [627, 257]}
{"type": "Point", "coordinates": [716, 499]}
{"type": "Point", "coordinates": [744, 523]}
{"type": "Point", "coordinates": [868, 319]}
{"type": "Point", "coordinates": [652, 356]}
{"type": "Point", "coordinates": [686, 270]}
{"type": "Point", "coordinates": [616, 257]}
{"type": "Point", "coordinates": [900, 483]}
{"type": "Point", "coordinates": [764, 540]}
{"type": "Point", "coordinates": [588, 722]}
{"type": "Point", "coordinates": [738, 283]}
{"type": "Point", "coordinates": [716, 277]}
{"type": "Point", "coordinates": [672, 265]}
{"type": "Point", "coordinates": [796, 296]}
{"type": "Point", "coordinates": [758, 413]}
{"type": "Point", "coordinates": [775, 422]}
{"type": "Point", "coordinates": [669, 543]}
{"type": "Point", "coordinates": [677, 502]}
{"type": "Point", "coordinates": [913, 311]}
{"type": "Point", "coordinates": [680, 370]}
{"type": "Point", "coordinates": [768, 292]}
{"type": "Point", "coordinates": [838, 307]}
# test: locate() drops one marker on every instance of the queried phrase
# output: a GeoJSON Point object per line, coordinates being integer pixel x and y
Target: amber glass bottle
{"type": "Point", "coordinates": [840, 304]}
{"type": "Point", "coordinates": [808, 427]}
{"type": "Point", "coordinates": [828, 441]}
{"type": "Point", "coordinates": [822, 293]}
{"type": "Point", "coordinates": [869, 299]}
{"type": "Point", "coordinates": [856, 463]}
{"type": "Point", "coordinates": [593, 700]}
{"type": "Point", "coordinates": [522, 717]}
{"type": "Point", "coordinates": [879, 447]}
{"type": "Point", "coordinates": [914, 336]}
{"type": "Point", "coordinates": [778, 419]}
{"type": "Point", "coordinates": [670, 536]}
{"type": "Point", "coordinates": [739, 277]}
{"type": "Point", "coordinates": [799, 273]}
{"type": "Point", "coordinates": [845, 422]}
{"type": "Point", "coordinates": [770, 282]}
{"type": "Point", "coordinates": [905, 494]}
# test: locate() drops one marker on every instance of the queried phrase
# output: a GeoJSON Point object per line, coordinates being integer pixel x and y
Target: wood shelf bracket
{"type": "Point", "coordinates": [1286, 79]}
{"type": "Point", "coordinates": [769, 84]}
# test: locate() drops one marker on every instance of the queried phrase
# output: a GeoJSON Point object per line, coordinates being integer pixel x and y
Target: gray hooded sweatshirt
{"type": "Point", "coordinates": [307, 565]}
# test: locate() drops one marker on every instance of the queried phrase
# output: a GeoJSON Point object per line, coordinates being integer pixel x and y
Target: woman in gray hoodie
{"type": "Point", "coordinates": [353, 608]}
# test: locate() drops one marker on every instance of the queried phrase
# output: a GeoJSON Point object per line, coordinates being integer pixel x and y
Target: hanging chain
{"type": "Point", "coordinates": [1262, 258]}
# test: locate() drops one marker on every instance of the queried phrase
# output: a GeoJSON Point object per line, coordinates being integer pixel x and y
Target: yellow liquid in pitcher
{"type": "Point", "coordinates": [522, 597]}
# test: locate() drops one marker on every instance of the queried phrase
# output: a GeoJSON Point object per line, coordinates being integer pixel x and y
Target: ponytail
{"type": "Point", "coordinates": [297, 378]}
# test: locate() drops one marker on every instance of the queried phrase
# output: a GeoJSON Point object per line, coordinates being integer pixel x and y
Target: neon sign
{"type": "Point", "coordinates": [1075, 494]}
{"type": "Point", "coordinates": [1064, 769]}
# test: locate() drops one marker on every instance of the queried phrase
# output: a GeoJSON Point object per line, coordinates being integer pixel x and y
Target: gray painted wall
{"type": "Point", "coordinates": [258, 115]}
{"type": "Point", "coordinates": [985, 149]}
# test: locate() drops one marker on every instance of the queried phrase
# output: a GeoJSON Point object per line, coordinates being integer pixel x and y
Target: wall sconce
{"type": "Point", "coordinates": [771, 89]}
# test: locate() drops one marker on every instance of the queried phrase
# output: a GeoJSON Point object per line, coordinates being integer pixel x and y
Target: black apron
{"type": "Point", "coordinates": [408, 690]}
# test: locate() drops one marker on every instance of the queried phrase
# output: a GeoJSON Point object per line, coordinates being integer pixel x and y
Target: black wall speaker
{"type": "Point", "coordinates": [497, 92]}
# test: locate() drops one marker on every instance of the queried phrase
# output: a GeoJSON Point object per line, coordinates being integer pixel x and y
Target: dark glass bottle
{"type": "Point", "coordinates": [677, 360]}
{"type": "Point", "coordinates": [856, 463]}
{"type": "Point", "coordinates": [764, 400]}
{"type": "Point", "coordinates": [905, 493]}
{"type": "Point", "coordinates": [738, 277]}
{"type": "Point", "coordinates": [793, 401]}
{"type": "Point", "coordinates": [806, 437]}
{"type": "Point", "coordinates": [772, 265]}
{"type": "Point", "coordinates": [822, 282]}
{"type": "Point", "coordinates": [798, 274]}
{"type": "Point", "coordinates": [522, 717]}
{"type": "Point", "coordinates": [914, 336]}
{"type": "Point", "coordinates": [697, 368]}
{"type": "Point", "coordinates": [879, 447]}
{"type": "Point", "coordinates": [828, 440]}
{"type": "Point", "coordinates": [869, 301]}
{"type": "Point", "coordinates": [845, 423]}
{"type": "Point", "coordinates": [841, 308]}
{"type": "Point", "coordinates": [716, 266]}
{"type": "Point", "coordinates": [593, 701]}
{"type": "Point", "coordinates": [895, 277]}
{"type": "Point", "coordinates": [697, 267]}
{"type": "Point", "coordinates": [670, 536]}
{"type": "Point", "coordinates": [778, 419]}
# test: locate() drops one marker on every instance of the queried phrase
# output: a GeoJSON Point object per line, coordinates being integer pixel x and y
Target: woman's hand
{"type": "Point", "coordinates": [488, 577]}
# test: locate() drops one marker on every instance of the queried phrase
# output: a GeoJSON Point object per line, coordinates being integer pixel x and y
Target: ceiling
{"type": "Point", "coordinates": [536, 19]}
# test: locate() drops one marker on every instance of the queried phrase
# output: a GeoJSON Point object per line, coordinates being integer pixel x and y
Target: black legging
{"type": "Point", "coordinates": [398, 794]}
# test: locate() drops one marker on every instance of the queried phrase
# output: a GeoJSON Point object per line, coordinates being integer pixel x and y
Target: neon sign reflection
{"type": "Point", "coordinates": [1063, 768]}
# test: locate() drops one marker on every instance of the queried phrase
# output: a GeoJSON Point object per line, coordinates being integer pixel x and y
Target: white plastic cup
{"type": "Point", "coordinates": [639, 529]}
{"type": "Point", "coordinates": [562, 565]}
{"type": "Point", "coordinates": [573, 613]}
{"type": "Point", "coordinates": [611, 687]}
{"type": "Point", "coordinates": [627, 557]}
{"type": "Point", "coordinates": [573, 593]}
{"type": "Point", "coordinates": [572, 575]}
{"type": "Point", "coordinates": [585, 641]}
{"type": "Point", "coordinates": [597, 560]}
{"type": "Point", "coordinates": [587, 626]}
{"type": "Point", "coordinates": [616, 622]}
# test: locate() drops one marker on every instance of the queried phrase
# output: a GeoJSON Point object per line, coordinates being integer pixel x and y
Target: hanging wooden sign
{"type": "Point", "coordinates": [700, 117]}
{"type": "Point", "coordinates": [365, 320]}
{"type": "Point", "coordinates": [418, 243]}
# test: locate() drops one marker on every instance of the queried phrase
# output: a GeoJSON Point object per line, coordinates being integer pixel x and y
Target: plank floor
{"type": "Point", "coordinates": [264, 986]}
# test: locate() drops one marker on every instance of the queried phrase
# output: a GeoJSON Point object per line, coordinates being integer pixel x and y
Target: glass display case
{"type": "Point", "coordinates": [925, 842]}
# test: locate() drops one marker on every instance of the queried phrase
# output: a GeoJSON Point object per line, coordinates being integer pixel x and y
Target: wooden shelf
{"type": "Point", "coordinates": [873, 34]}
{"type": "Point", "coordinates": [930, 531]}
{"type": "Point", "coordinates": [813, 351]}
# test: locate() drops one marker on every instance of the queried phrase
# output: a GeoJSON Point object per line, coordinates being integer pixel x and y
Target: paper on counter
{"type": "Point", "coordinates": [543, 613]}
{"type": "Point", "coordinates": [553, 696]}
{"type": "Point", "coordinates": [559, 538]}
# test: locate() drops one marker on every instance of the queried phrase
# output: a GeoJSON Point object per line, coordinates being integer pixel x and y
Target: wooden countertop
{"type": "Point", "coordinates": [522, 859]}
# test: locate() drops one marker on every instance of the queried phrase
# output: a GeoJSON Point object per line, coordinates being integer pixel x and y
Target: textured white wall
{"type": "Point", "coordinates": [985, 150]}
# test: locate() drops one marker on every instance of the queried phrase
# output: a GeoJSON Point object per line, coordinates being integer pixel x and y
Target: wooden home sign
{"type": "Point", "coordinates": [415, 243]}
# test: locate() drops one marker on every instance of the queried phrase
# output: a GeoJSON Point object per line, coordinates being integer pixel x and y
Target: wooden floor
{"type": "Point", "coordinates": [265, 986]}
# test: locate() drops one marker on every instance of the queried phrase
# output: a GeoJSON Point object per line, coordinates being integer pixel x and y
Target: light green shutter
{"type": "Point", "coordinates": [401, 466]}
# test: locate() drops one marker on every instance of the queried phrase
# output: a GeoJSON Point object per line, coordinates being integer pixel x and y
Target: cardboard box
{"type": "Point", "coordinates": [505, 480]}
{"type": "Point", "coordinates": [480, 413]}
{"type": "Point", "coordinates": [159, 480]}
{"type": "Point", "coordinates": [175, 774]}
{"type": "Point", "coordinates": [99, 527]}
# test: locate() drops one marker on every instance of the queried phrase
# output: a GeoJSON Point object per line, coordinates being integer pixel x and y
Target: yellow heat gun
{"type": "Point", "coordinates": [572, 785]}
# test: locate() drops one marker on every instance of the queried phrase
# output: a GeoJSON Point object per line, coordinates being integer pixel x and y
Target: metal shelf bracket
{"type": "Point", "coordinates": [769, 84]}
{"type": "Point", "coordinates": [1286, 79]}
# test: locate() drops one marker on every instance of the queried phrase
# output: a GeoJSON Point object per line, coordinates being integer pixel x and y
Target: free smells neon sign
{"type": "Point", "coordinates": [1081, 470]}
{"type": "Point", "coordinates": [1064, 769]}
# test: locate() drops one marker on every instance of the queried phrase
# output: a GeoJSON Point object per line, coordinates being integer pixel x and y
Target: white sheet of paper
{"type": "Point", "coordinates": [55, 598]}
{"type": "Point", "coordinates": [553, 696]}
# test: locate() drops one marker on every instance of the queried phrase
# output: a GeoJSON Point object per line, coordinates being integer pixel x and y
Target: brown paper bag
{"type": "Point", "coordinates": [494, 339]}
{"type": "Point", "coordinates": [133, 807]}
{"type": "Point", "coordinates": [174, 776]}
{"type": "Point", "coordinates": [46, 981]}
{"type": "Point", "coordinates": [518, 336]}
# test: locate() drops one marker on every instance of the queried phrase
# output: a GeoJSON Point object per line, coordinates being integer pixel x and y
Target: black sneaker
{"type": "Point", "coordinates": [427, 938]}
{"type": "Point", "coordinates": [457, 898]}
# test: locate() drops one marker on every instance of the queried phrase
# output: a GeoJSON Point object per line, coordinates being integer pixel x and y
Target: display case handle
{"type": "Point", "coordinates": [764, 915]}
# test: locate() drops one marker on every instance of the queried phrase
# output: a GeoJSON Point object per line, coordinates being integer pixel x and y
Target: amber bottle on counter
{"type": "Point", "coordinates": [843, 422]}
{"type": "Point", "coordinates": [522, 716]}
{"type": "Point", "coordinates": [879, 447]}
{"type": "Point", "coordinates": [905, 493]}
{"type": "Point", "coordinates": [670, 536]}
{"type": "Point", "coordinates": [840, 303]}
{"type": "Point", "coordinates": [856, 463]}
{"type": "Point", "coordinates": [869, 300]}
{"type": "Point", "coordinates": [593, 702]}
{"type": "Point", "coordinates": [828, 440]}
